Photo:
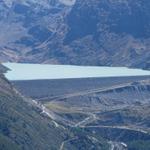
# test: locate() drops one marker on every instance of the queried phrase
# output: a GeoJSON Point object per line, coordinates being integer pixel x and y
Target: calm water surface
{"type": "Point", "coordinates": [21, 71]}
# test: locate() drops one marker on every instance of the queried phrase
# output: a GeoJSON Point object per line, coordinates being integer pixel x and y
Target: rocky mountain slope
{"type": "Point", "coordinates": [21, 124]}
{"type": "Point", "coordinates": [113, 116]}
{"type": "Point", "coordinates": [117, 109]}
{"type": "Point", "coordinates": [87, 32]}
{"type": "Point", "coordinates": [25, 125]}
{"type": "Point", "coordinates": [118, 113]}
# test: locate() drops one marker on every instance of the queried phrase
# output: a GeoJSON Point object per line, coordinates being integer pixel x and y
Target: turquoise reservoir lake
{"type": "Point", "coordinates": [20, 71]}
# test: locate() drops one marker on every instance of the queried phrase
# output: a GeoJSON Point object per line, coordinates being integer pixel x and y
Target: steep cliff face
{"type": "Point", "coordinates": [106, 32]}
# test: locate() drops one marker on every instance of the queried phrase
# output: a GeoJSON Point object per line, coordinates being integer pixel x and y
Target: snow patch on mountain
{"type": "Point", "coordinates": [68, 2]}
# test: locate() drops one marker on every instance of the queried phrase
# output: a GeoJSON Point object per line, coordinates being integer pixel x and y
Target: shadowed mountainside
{"type": "Point", "coordinates": [25, 125]}
{"type": "Point", "coordinates": [21, 124]}
{"type": "Point", "coordinates": [81, 32]}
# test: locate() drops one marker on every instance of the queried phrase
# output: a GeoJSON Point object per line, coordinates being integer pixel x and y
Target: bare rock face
{"type": "Point", "coordinates": [91, 32]}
